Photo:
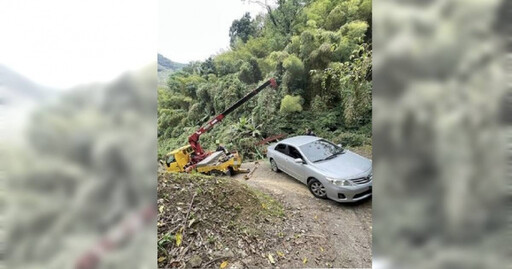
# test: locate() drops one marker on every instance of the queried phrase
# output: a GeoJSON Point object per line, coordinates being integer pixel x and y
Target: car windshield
{"type": "Point", "coordinates": [320, 150]}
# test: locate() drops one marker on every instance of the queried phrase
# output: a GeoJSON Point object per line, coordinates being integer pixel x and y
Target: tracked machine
{"type": "Point", "coordinates": [193, 157]}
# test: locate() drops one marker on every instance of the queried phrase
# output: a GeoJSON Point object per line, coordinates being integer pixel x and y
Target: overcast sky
{"type": "Point", "coordinates": [193, 30]}
{"type": "Point", "coordinates": [62, 43]}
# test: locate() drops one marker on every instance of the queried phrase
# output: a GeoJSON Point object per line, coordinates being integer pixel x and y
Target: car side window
{"type": "Point", "coordinates": [281, 148]}
{"type": "Point", "coordinates": [294, 153]}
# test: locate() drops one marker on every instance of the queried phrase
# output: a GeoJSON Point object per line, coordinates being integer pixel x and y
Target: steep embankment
{"type": "Point", "coordinates": [205, 221]}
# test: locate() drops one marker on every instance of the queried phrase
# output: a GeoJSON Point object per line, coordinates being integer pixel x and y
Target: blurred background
{"type": "Point", "coordinates": [440, 134]}
{"type": "Point", "coordinates": [78, 134]}
{"type": "Point", "coordinates": [78, 127]}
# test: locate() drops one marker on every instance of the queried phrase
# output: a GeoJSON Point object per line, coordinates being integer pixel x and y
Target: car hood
{"type": "Point", "coordinates": [347, 166]}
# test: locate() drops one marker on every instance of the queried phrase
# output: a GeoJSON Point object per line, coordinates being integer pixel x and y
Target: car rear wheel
{"type": "Point", "coordinates": [273, 166]}
{"type": "Point", "coordinates": [317, 189]}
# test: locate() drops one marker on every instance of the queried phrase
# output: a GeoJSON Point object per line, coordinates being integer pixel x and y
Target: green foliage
{"type": "Point", "coordinates": [355, 87]}
{"type": "Point", "coordinates": [250, 72]}
{"type": "Point", "coordinates": [307, 44]}
{"type": "Point", "coordinates": [208, 67]}
{"type": "Point", "coordinates": [241, 29]}
{"type": "Point", "coordinates": [294, 65]}
{"type": "Point", "coordinates": [258, 47]}
{"type": "Point", "coordinates": [335, 19]}
{"type": "Point", "coordinates": [353, 140]}
{"type": "Point", "coordinates": [285, 17]}
{"type": "Point", "coordinates": [318, 11]}
{"type": "Point", "coordinates": [230, 61]}
{"type": "Point", "coordinates": [246, 127]}
{"type": "Point", "coordinates": [354, 30]}
{"type": "Point", "coordinates": [291, 104]}
{"type": "Point", "coordinates": [321, 57]}
{"type": "Point", "coordinates": [168, 119]}
{"type": "Point", "coordinates": [293, 79]}
{"type": "Point", "coordinates": [185, 83]}
{"type": "Point", "coordinates": [319, 104]}
{"type": "Point", "coordinates": [316, 49]}
{"type": "Point", "coordinates": [194, 114]}
{"type": "Point", "coordinates": [227, 90]}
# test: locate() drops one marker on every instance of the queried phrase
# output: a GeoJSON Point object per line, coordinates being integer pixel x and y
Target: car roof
{"type": "Point", "coordinates": [300, 140]}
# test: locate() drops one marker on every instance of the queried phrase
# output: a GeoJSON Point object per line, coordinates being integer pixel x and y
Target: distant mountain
{"type": "Point", "coordinates": [166, 67]}
{"type": "Point", "coordinates": [18, 96]}
{"type": "Point", "coordinates": [17, 88]}
{"type": "Point", "coordinates": [166, 64]}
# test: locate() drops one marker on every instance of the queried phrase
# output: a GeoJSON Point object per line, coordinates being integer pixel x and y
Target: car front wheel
{"type": "Point", "coordinates": [317, 189]}
{"type": "Point", "coordinates": [273, 166]}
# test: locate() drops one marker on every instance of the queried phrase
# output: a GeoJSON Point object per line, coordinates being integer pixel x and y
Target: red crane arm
{"type": "Point", "coordinates": [194, 138]}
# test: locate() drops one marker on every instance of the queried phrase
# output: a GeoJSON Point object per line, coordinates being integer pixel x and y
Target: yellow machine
{"type": "Point", "coordinates": [193, 158]}
{"type": "Point", "coordinates": [178, 159]}
{"type": "Point", "coordinates": [217, 163]}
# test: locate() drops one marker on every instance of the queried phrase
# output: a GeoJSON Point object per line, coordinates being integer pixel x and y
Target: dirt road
{"type": "Point", "coordinates": [319, 233]}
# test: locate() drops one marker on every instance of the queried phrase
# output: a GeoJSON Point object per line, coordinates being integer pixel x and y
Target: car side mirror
{"type": "Point", "coordinates": [299, 160]}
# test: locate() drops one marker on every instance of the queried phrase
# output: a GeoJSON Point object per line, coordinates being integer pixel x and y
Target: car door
{"type": "Point", "coordinates": [297, 170]}
{"type": "Point", "coordinates": [280, 157]}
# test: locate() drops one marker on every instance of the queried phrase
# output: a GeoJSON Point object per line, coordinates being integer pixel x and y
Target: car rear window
{"type": "Point", "coordinates": [281, 148]}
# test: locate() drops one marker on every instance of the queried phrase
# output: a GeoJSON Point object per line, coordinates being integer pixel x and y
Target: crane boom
{"type": "Point", "coordinates": [194, 138]}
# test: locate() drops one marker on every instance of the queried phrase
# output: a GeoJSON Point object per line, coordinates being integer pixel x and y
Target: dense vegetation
{"type": "Point", "coordinates": [319, 52]}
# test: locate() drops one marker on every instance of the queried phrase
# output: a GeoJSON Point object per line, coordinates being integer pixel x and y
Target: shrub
{"type": "Point", "coordinates": [352, 139]}
{"type": "Point", "coordinates": [291, 104]}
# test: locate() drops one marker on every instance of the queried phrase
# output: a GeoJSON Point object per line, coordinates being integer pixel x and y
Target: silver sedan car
{"type": "Point", "coordinates": [329, 170]}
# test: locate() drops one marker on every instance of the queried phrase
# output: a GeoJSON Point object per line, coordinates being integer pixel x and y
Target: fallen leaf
{"type": "Point", "coordinates": [305, 261]}
{"type": "Point", "coordinates": [161, 209]}
{"type": "Point", "coordinates": [316, 217]}
{"type": "Point", "coordinates": [178, 239]}
{"type": "Point", "coordinates": [161, 259]}
{"type": "Point", "coordinates": [223, 264]}
{"type": "Point", "coordinates": [264, 206]}
{"type": "Point", "coordinates": [271, 259]}
{"type": "Point", "coordinates": [321, 249]}
{"type": "Point", "coordinates": [280, 254]}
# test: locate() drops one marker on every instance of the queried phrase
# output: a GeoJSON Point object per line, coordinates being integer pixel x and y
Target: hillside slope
{"type": "Point", "coordinates": [320, 54]}
{"type": "Point", "coordinates": [204, 221]}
